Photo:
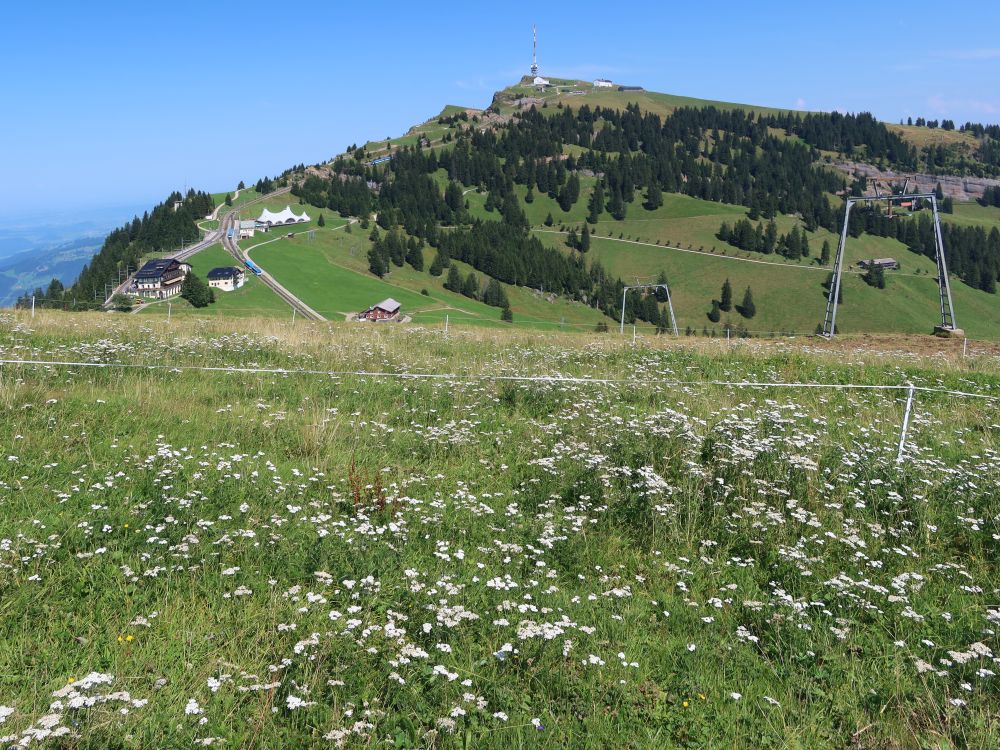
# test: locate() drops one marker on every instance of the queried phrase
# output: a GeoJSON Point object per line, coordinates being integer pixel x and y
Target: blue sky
{"type": "Point", "coordinates": [115, 104]}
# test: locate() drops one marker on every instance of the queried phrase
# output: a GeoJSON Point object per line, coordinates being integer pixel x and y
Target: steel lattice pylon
{"type": "Point", "coordinates": [944, 286]}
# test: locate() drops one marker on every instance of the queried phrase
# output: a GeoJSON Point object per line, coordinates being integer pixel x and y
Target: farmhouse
{"type": "Point", "coordinates": [387, 309]}
{"type": "Point", "coordinates": [887, 263]}
{"type": "Point", "coordinates": [287, 216]}
{"type": "Point", "coordinates": [226, 278]}
{"type": "Point", "coordinates": [602, 83]}
{"type": "Point", "coordinates": [160, 278]}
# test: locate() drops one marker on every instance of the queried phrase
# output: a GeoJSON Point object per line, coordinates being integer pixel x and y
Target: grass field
{"type": "Point", "coordinates": [287, 560]}
{"type": "Point", "coordinates": [330, 273]}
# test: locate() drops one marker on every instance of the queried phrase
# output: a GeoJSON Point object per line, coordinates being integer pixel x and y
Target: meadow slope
{"type": "Point", "coordinates": [286, 558]}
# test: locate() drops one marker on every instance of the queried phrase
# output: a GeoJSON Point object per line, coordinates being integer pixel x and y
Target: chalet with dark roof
{"type": "Point", "coordinates": [160, 278]}
{"type": "Point", "coordinates": [226, 278]}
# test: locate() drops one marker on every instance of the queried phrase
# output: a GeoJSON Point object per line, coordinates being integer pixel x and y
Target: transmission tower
{"type": "Point", "coordinates": [534, 51]}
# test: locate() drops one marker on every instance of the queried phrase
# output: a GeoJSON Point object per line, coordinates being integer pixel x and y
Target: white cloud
{"type": "Point", "coordinates": [800, 103]}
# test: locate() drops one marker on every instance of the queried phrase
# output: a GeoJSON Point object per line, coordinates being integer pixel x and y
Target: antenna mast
{"type": "Point", "coordinates": [534, 51]}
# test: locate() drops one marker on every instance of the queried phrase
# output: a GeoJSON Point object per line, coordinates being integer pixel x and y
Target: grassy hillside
{"type": "Point", "coordinates": [330, 271]}
{"type": "Point", "coordinates": [288, 560]}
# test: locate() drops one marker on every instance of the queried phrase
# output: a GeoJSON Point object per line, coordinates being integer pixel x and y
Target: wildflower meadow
{"type": "Point", "coordinates": [241, 535]}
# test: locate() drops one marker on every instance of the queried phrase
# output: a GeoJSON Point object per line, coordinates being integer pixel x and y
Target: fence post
{"type": "Point", "coordinates": [446, 323]}
{"type": "Point", "coordinates": [906, 424]}
{"type": "Point", "coordinates": [32, 305]}
{"type": "Point", "coordinates": [965, 347]}
{"type": "Point", "coordinates": [633, 335]}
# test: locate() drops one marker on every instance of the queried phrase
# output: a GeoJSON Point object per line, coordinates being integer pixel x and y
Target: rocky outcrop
{"type": "Point", "coordinates": [959, 188]}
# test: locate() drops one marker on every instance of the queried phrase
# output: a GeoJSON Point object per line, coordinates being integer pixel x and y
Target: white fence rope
{"type": "Point", "coordinates": [486, 378]}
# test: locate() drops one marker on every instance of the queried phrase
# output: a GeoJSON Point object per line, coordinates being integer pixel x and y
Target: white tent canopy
{"type": "Point", "coordinates": [282, 217]}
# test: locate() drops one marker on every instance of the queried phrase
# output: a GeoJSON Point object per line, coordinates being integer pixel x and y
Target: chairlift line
{"type": "Point", "coordinates": [947, 308]}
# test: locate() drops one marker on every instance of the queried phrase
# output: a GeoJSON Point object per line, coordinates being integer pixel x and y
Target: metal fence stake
{"type": "Point", "coordinates": [906, 424]}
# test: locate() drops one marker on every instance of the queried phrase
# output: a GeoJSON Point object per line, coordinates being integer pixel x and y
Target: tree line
{"type": "Point", "coordinates": [168, 226]}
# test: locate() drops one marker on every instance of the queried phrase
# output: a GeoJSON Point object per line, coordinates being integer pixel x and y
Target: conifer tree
{"type": "Point", "coordinates": [748, 309]}
{"type": "Point", "coordinates": [376, 262]}
{"type": "Point", "coordinates": [770, 237]}
{"type": "Point", "coordinates": [654, 196]}
{"type": "Point", "coordinates": [470, 288]}
{"type": "Point", "coordinates": [454, 282]}
{"type": "Point", "coordinates": [596, 204]}
{"type": "Point", "coordinates": [824, 253]}
{"type": "Point", "coordinates": [584, 244]}
{"type": "Point", "coordinates": [414, 254]}
{"type": "Point", "coordinates": [661, 291]}
{"type": "Point", "coordinates": [714, 315]}
{"type": "Point", "coordinates": [726, 298]}
{"type": "Point", "coordinates": [321, 222]}
{"type": "Point", "coordinates": [549, 221]}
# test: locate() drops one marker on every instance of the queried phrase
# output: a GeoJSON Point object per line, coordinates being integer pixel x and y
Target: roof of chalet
{"type": "Point", "coordinates": [286, 216]}
{"type": "Point", "coordinates": [224, 272]}
{"type": "Point", "coordinates": [248, 224]}
{"type": "Point", "coordinates": [389, 305]}
{"type": "Point", "coordinates": [155, 268]}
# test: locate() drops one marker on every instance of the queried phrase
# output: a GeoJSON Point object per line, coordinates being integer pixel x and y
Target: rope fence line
{"type": "Point", "coordinates": [497, 378]}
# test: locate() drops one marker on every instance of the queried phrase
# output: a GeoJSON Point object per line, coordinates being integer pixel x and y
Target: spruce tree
{"type": "Point", "coordinates": [654, 196]}
{"type": "Point", "coordinates": [770, 237]}
{"type": "Point", "coordinates": [470, 288]}
{"type": "Point", "coordinates": [321, 222]}
{"type": "Point", "coordinates": [584, 245]}
{"type": "Point", "coordinates": [714, 315]}
{"type": "Point", "coordinates": [987, 280]}
{"type": "Point", "coordinates": [748, 309]}
{"type": "Point", "coordinates": [726, 298]}
{"type": "Point", "coordinates": [376, 262]}
{"type": "Point", "coordinates": [549, 221]}
{"type": "Point", "coordinates": [596, 204]}
{"type": "Point", "coordinates": [454, 282]}
{"type": "Point", "coordinates": [438, 264]}
{"type": "Point", "coordinates": [824, 253]}
{"type": "Point", "coordinates": [661, 291]}
{"type": "Point", "coordinates": [414, 255]}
